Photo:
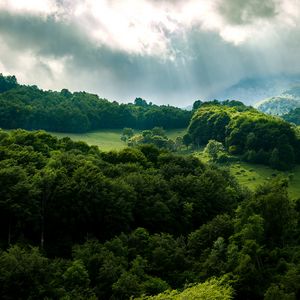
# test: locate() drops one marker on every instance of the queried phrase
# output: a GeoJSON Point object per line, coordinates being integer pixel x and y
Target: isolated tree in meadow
{"type": "Point", "coordinates": [214, 149]}
{"type": "Point", "coordinates": [127, 133]}
{"type": "Point", "coordinates": [159, 131]}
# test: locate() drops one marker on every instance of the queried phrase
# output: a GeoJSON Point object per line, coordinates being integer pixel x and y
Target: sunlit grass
{"type": "Point", "coordinates": [105, 139]}
{"type": "Point", "coordinates": [109, 139]}
{"type": "Point", "coordinates": [253, 175]}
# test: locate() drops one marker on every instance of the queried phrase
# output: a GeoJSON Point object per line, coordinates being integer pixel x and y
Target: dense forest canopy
{"type": "Point", "coordinates": [144, 222]}
{"type": "Point", "coordinates": [30, 108]}
{"type": "Point", "coordinates": [245, 131]}
{"type": "Point", "coordinates": [139, 222]}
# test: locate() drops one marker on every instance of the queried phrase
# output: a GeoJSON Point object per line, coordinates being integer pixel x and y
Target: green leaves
{"type": "Point", "coordinates": [212, 289]}
{"type": "Point", "coordinates": [257, 137]}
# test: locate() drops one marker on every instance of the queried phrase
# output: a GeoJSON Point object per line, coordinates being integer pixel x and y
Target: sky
{"type": "Point", "coordinates": [165, 51]}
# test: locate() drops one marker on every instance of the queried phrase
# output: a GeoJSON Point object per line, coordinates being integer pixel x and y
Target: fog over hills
{"type": "Point", "coordinates": [281, 104]}
{"type": "Point", "coordinates": [253, 90]}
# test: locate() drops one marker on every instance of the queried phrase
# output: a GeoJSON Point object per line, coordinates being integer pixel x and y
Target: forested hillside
{"type": "Point", "coordinates": [244, 131]}
{"type": "Point", "coordinates": [293, 116]}
{"type": "Point", "coordinates": [30, 108]}
{"type": "Point", "coordinates": [279, 106]}
{"type": "Point", "coordinates": [111, 225]}
{"type": "Point", "coordinates": [282, 104]}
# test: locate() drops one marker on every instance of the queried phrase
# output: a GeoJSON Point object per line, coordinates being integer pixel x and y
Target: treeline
{"type": "Point", "coordinates": [244, 131]}
{"type": "Point", "coordinates": [111, 225]}
{"type": "Point", "coordinates": [29, 107]}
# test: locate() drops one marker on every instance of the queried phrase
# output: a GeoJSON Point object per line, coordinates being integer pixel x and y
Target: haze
{"type": "Point", "coordinates": [171, 52]}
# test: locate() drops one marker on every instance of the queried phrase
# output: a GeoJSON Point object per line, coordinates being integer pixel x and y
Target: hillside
{"type": "Point", "coordinates": [282, 104]}
{"type": "Point", "coordinates": [293, 116]}
{"type": "Point", "coordinates": [244, 131]}
{"type": "Point", "coordinates": [77, 223]}
{"type": "Point", "coordinates": [29, 107]}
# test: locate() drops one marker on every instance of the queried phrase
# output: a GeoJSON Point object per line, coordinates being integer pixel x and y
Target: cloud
{"type": "Point", "coordinates": [245, 12]}
{"type": "Point", "coordinates": [30, 6]}
{"type": "Point", "coordinates": [166, 51]}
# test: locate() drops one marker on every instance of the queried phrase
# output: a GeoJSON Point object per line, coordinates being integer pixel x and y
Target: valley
{"type": "Point", "coordinates": [247, 174]}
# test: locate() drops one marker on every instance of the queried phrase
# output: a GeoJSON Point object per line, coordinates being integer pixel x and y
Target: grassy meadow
{"type": "Point", "coordinates": [108, 139]}
{"type": "Point", "coordinates": [253, 175]}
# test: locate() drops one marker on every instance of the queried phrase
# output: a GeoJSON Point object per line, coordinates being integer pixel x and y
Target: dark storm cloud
{"type": "Point", "coordinates": [115, 69]}
{"type": "Point", "coordinates": [199, 63]}
{"type": "Point", "coordinates": [44, 35]}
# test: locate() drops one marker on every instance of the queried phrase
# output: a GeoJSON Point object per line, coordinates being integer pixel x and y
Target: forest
{"type": "Point", "coordinates": [31, 108]}
{"type": "Point", "coordinates": [244, 131]}
{"type": "Point", "coordinates": [293, 116]}
{"type": "Point", "coordinates": [148, 221]}
{"type": "Point", "coordinates": [78, 223]}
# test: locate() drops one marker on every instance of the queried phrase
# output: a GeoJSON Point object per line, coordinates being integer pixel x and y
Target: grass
{"type": "Point", "coordinates": [108, 139]}
{"type": "Point", "coordinates": [254, 175]}
{"type": "Point", "coordinates": [105, 139]}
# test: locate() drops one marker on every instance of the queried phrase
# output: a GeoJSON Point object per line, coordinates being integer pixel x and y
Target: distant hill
{"type": "Point", "coordinates": [254, 136]}
{"type": "Point", "coordinates": [293, 116]}
{"type": "Point", "coordinates": [282, 104]}
{"type": "Point", "coordinates": [251, 90]}
{"type": "Point", "coordinates": [31, 108]}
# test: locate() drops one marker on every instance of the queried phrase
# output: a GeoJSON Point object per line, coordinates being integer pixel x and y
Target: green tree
{"type": "Point", "coordinates": [76, 282]}
{"type": "Point", "coordinates": [214, 149]}
{"type": "Point", "coordinates": [127, 133]}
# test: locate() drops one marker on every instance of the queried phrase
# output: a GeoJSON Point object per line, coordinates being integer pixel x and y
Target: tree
{"type": "Point", "coordinates": [7, 83]}
{"type": "Point", "coordinates": [25, 274]}
{"type": "Point", "coordinates": [140, 102]}
{"type": "Point", "coordinates": [197, 104]}
{"type": "Point", "coordinates": [178, 142]}
{"type": "Point", "coordinates": [127, 133]}
{"type": "Point", "coordinates": [76, 282]}
{"type": "Point", "coordinates": [214, 149]}
{"type": "Point", "coordinates": [187, 140]}
{"type": "Point", "coordinates": [159, 131]}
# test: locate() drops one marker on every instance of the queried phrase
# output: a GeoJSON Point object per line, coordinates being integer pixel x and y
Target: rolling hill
{"type": "Point", "coordinates": [282, 104]}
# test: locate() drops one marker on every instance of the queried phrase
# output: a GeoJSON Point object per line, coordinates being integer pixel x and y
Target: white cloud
{"type": "Point", "coordinates": [171, 47]}
{"type": "Point", "coordinates": [45, 7]}
{"type": "Point", "coordinates": [144, 26]}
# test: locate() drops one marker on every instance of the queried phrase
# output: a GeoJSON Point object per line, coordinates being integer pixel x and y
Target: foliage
{"type": "Point", "coordinates": [214, 150]}
{"type": "Point", "coordinates": [280, 105]}
{"type": "Point", "coordinates": [31, 108]}
{"type": "Point", "coordinates": [127, 134]}
{"type": "Point", "coordinates": [293, 116]}
{"type": "Point", "coordinates": [138, 223]}
{"type": "Point", "coordinates": [209, 290]}
{"type": "Point", "coordinates": [157, 137]}
{"type": "Point", "coordinates": [255, 136]}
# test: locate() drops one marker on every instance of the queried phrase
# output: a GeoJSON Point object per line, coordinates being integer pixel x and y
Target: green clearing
{"type": "Point", "coordinates": [108, 139]}
{"type": "Point", "coordinates": [253, 175]}
{"type": "Point", "coordinates": [105, 139]}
